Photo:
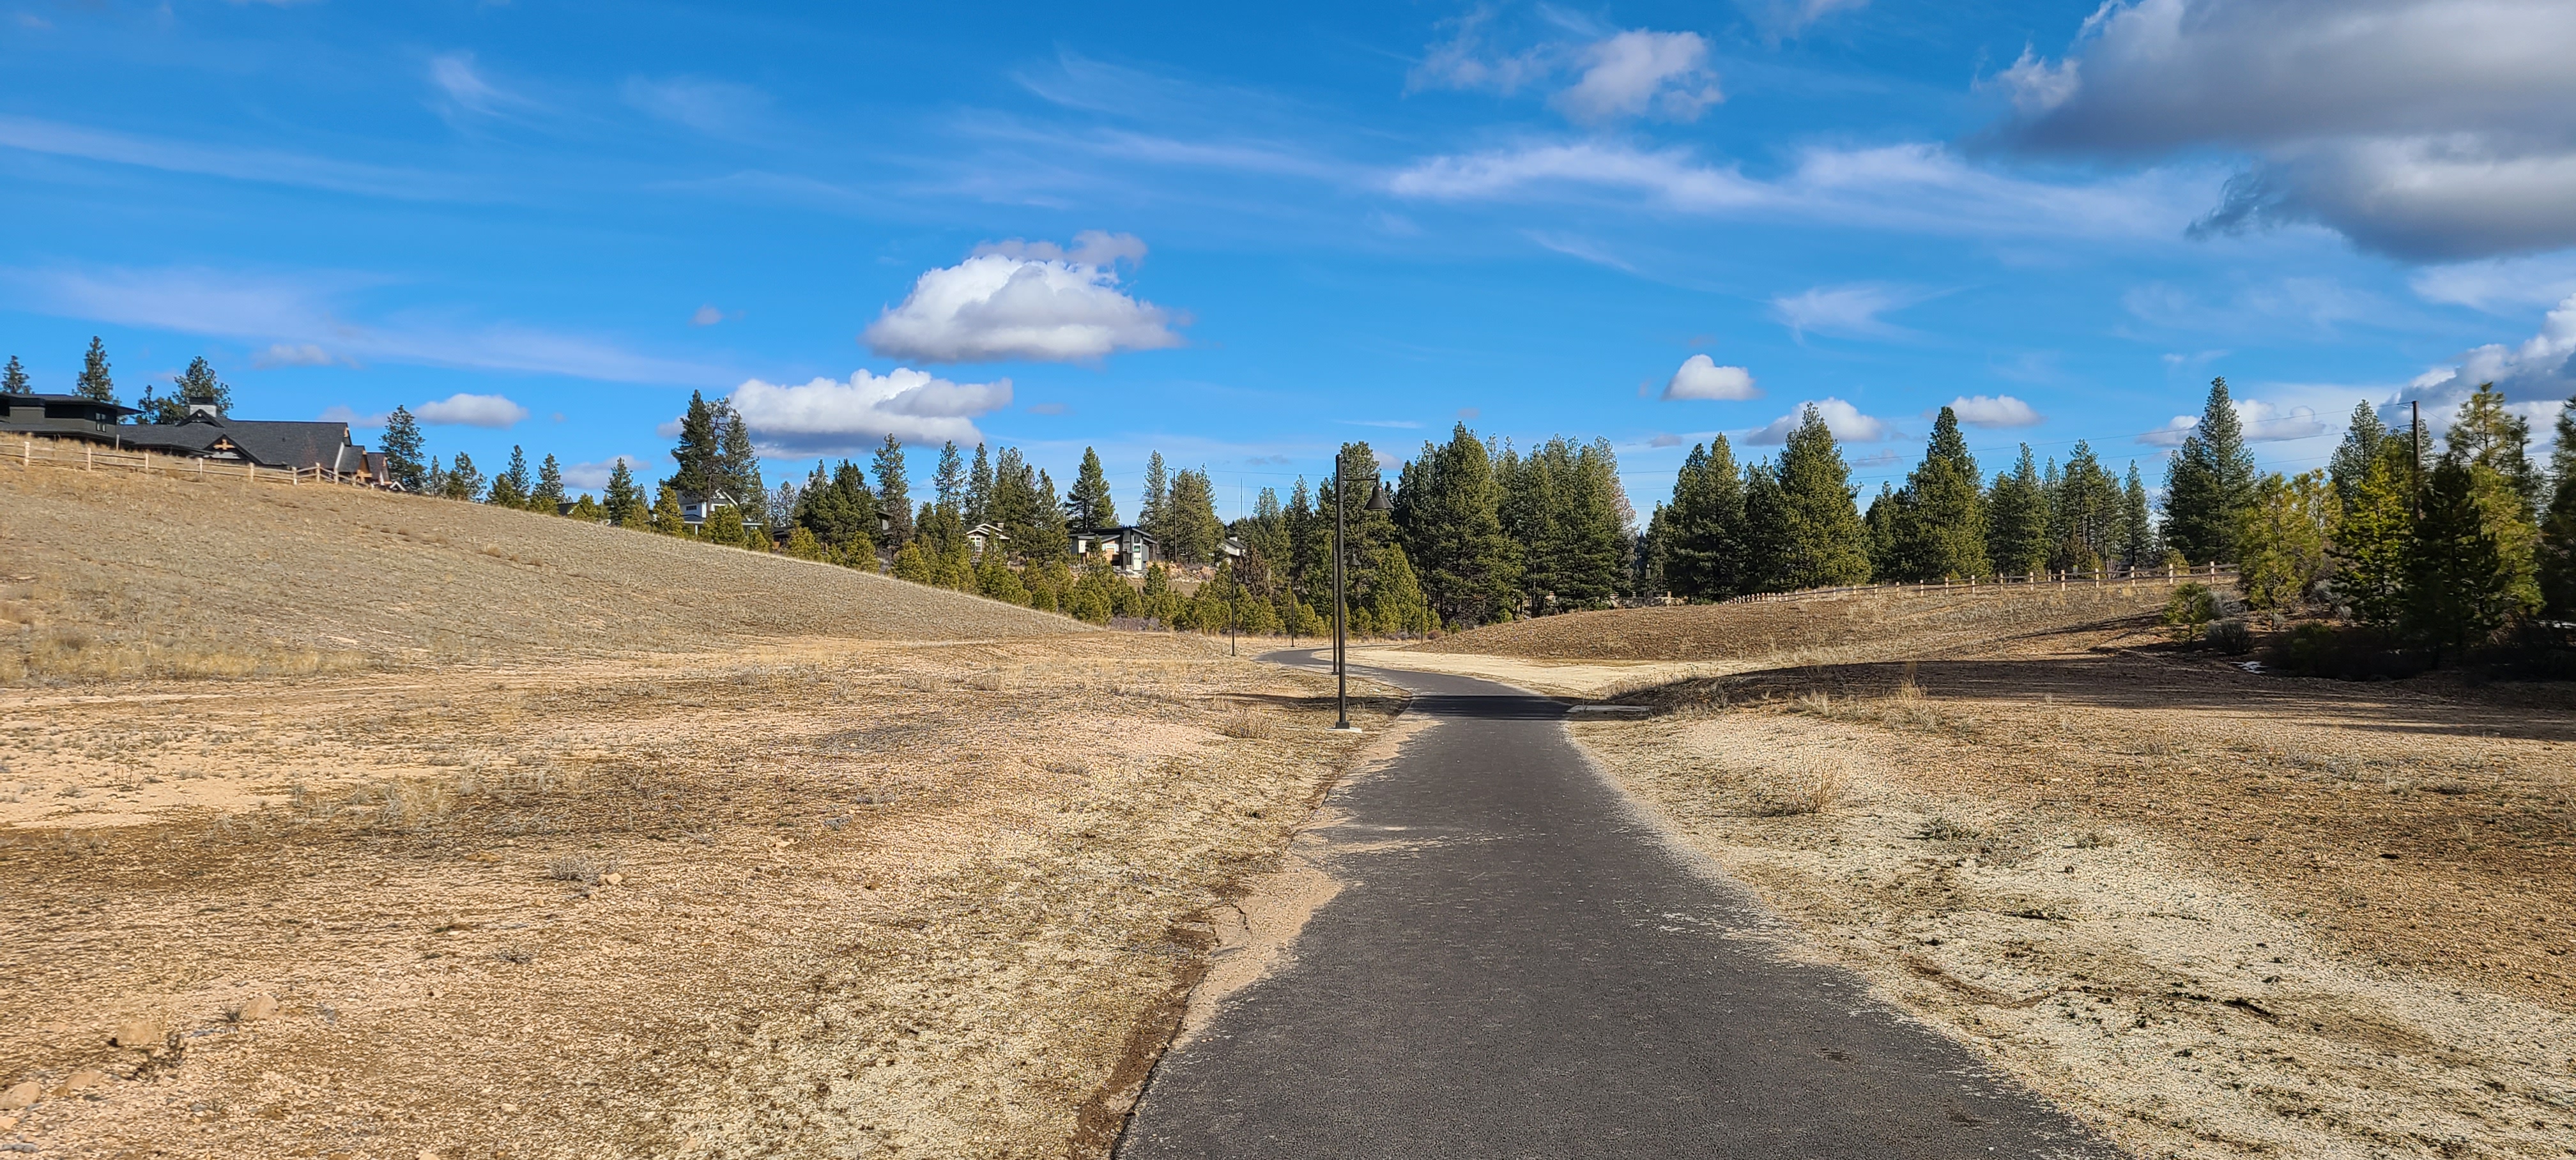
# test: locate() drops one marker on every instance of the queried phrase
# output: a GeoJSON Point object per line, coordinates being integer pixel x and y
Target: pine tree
{"type": "Point", "coordinates": [95, 382]}
{"type": "Point", "coordinates": [737, 463]}
{"type": "Point", "coordinates": [1149, 514]}
{"type": "Point", "coordinates": [2210, 483]}
{"type": "Point", "coordinates": [511, 487]}
{"type": "Point", "coordinates": [1880, 519]}
{"type": "Point", "coordinates": [2460, 585]}
{"type": "Point", "coordinates": [724, 526]}
{"type": "Point", "coordinates": [1449, 514]}
{"type": "Point", "coordinates": [1396, 604]}
{"type": "Point", "coordinates": [802, 544]}
{"type": "Point", "coordinates": [2487, 441]}
{"type": "Point", "coordinates": [2374, 542]}
{"type": "Point", "coordinates": [1309, 546]}
{"type": "Point", "coordinates": [910, 564]}
{"type": "Point", "coordinates": [2282, 547]}
{"type": "Point", "coordinates": [2017, 519]}
{"type": "Point", "coordinates": [838, 507]}
{"type": "Point", "coordinates": [2137, 522]}
{"type": "Point", "coordinates": [550, 486]}
{"type": "Point", "coordinates": [196, 386]}
{"type": "Point", "coordinates": [1704, 553]}
{"type": "Point", "coordinates": [587, 510]}
{"type": "Point", "coordinates": [1014, 505]}
{"type": "Point", "coordinates": [2556, 563]}
{"type": "Point", "coordinates": [979, 489]}
{"type": "Point", "coordinates": [437, 482]}
{"type": "Point", "coordinates": [894, 495]}
{"type": "Point", "coordinates": [13, 381]}
{"type": "Point", "coordinates": [2352, 459]}
{"type": "Point", "coordinates": [948, 481]}
{"type": "Point", "coordinates": [402, 448]}
{"type": "Point", "coordinates": [1090, 504]}
{"type": "Point", "coordinates": [699, 473]}
{"type": "Point", "coordinates": [667, 518]}
{"type": "Point", "coordinates": [2084, 514]}
{"type": "Point", "coordinates": [1049, 540]}
{"type": "Point", "coordinates": [1192, 534]}
{"type": "Point", "coordinates": [1826, 544]}
{"type": "Point", "coordinates": [625, 501]}
{"type": "Point", "coordinates": [1938, 526]}
{"type": "Point", "coordinates": [1766, 543]}
{"type": "Point", "coordinates": [464, 481]}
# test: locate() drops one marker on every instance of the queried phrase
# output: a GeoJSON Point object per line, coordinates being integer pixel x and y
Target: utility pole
{"type": "Point", "coordinates": [2415, 462]}
{"type": "Point", "coordinates": [1341, 679]}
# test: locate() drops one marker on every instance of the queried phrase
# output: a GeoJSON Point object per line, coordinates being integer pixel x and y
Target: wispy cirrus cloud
{"type": "Point", "coordinates": [318, 311]}
{"type": "Point", "coordinates": [1845, 311]}
{"type": "Point", "coordinates": [266, 166]}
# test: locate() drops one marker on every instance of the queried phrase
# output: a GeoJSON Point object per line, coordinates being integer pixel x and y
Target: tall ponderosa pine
{"type": "Point", "coordinates": [1879, 520]}
{"type": "Point", "coordinates": [511, 487]}
{"type": "Point", "coordinates": [1190, 533]}
{"type": "Point", "coordinates": [1396, 604]}
{"type": "Point", "coordinates": [1015, 502]}
{"type": "Point", "coordinates": [1562, 504]}
{"type": "Point", "coordinates": [2137, 522]}
{"type": "Point", "coordinates": [1704, 547]}
{"type": "Point", "coordinates": [401, 444]}
{"type": "Point", "coordinates": [737, 463]}
{"type": "Point", "coordinates": [2084, 514]}
{"type": "Point", "coordinates": [464, 480]}
{"type": "Point", "coordinates": [1826, 544]}
{"type": "Point", "coordinates": [196, 386]}
{"type": "Point", "coordinates": [1149, 512]}
{"type": "Point", "coordinates": [979, 488]}
{"type": "Point", "coordinates": [1050, 541]}
{"type": "Point", "coordinates": [1938, 527]}
{"type": "Point", "coordinates": [13, 380]}
{"type": "Point", "coordinates": [838, 508]}
{"type": "Point", "coordinates": [1309, 544]}
{"type": "Point", "coordinates": [1766, 541]}
{"type": "Point", "coordinates": [1367, 533]}
{"type": "Point", "coordinates": [949, 481]}
{"type": "Point", "coordinates": [2460, 584]}
{"type": "Point", "coordinates": [550, 486]}
{"type": "Point", "coordinates": [2487, 441]}
{"type": "Point", "coordinates": [2353, 457]}
{"type": "Point", "coordinates": [95, 382]}
{"type": "Point", "coordinates": [2374, 541]}
{"type": "Point", "coordinates": [1448, 512]}
{"type": "Point", "coordinates": [2557, 555]}
{"type": "Point", "coordinates": [698, 452]}
{"type": "Point", "coordinates": [894, 495]}
{"type": "Point", "coordinates": [1090, 504]}
{"type": "Point", "coordinates": [624, 501]}
{"type": "Point", "coordinates": [2017, 519]}
{"type": "Point", "coordinates": [2210, 483]}
{"type": "Point", "coordinates": [2282, 545]}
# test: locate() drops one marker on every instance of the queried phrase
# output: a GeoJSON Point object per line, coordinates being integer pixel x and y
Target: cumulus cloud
{"type": "Point", "coordinates": [594, 476]}
{"type": "Point", "coordinates": [1841, 418]}
{"type": "Point", "coordinates": [1026, 300]}
{"type": "Point", "coordinates": [1995, 411]}
{"type": "Point", "coordinates": [1850, 311]}
{"type": "Point", "coordinates": [1639, 72]}
{"type": "Point", "coordinates": [827, 415]}
{"type": "Point", "coordinates": [1701, 378]}
{"type": "Point", "coordinates": [2423, 129]}
{"type": "Point", "coordinates": [466, 410]}
{"type": "Point", "coordinates": [2539, 371]}
{"type": "Point", "coordinates": [2262, 422]}
{"type": "Point", "coordinates": [292, 354]}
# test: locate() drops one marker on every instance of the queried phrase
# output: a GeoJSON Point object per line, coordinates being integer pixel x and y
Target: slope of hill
{"type": "Point", "coordinates": [114, 574]}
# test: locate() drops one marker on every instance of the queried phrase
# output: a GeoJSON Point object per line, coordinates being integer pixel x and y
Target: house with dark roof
{"type": "Point", "coordinates": [62, 417]}
{"type": "Point", "coordinates": [1130, 549]}
{"type": "Point", "coordinates": [296, 446]}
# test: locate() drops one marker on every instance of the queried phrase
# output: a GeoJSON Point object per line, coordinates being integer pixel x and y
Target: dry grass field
{"type": "Point", "coordinates": [2214, 912]}
{"type": "Point", "coordinates": [356, 825]}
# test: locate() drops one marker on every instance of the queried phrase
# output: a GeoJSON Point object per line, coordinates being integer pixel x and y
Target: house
{"type": "Point", "coordinates": [296, 446]}
{"type": "Point", "coordinates": [1232, 549]}
{"type": "Point", "coordinates": [980, 535]}
{"type": "Point", "coordinates": [1130, 549]}
{"type": "Point", "coordinates": [695, 508]}
{"type": "Point", "coordinates": [63, 417]}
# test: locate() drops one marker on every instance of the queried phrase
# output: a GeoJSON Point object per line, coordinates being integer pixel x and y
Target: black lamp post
{"type": "Point", "coordinates": [1377, 502]}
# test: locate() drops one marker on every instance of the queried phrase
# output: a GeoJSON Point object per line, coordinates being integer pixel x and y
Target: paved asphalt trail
{"type": "Point", "coordinates": [1519, 966]}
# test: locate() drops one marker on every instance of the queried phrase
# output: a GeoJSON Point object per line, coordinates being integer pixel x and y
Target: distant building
{"type": "Point", "coordinates": [63, 417]}
{"type": "Point", "coordinates": [981, 535]}
{"type": "Point", "coordinates": [695, 508]}
{"type": "Point", "coordinates": [274, 444]}
{"type": "Point", "coordinates": [1130, 549]}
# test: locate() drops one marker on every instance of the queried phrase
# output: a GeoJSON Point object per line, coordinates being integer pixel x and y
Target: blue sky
{"type": "Point", "coordinates": [1243, 238]}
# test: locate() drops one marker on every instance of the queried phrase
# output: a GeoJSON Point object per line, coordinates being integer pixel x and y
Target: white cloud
{"type": "Point", "coordinates": [2425, 129]}
{"type": "Point", "coordinates": [1701, 378]}
{"type": "Point", "coordinates": [594, 476]}
{"type": "Point", "coordinates": [343, 413]}
{"type": "Point", "coordinates": [1841, 418]}
{"type": "Point", "coordinates": [1578, 248]}
{"type": "Point", "coordinates": [1850, 311]}
{"type": "Point", "coordinates": [2262, 422]}
{"type": "Point", "coordinates": [261, 165]}
{"type": "Point", "coordinates": [704, 105]}
{"type": "Point", "coordinates": [1789, 17]}
{"type": "Point", "coordinates": [1026, 300]}
{"type": "Point", "coordinates": [1914, 187]}
{"type": "Point", "coordinates": [2498, 285]}
{"type": "Point", "coordinates": [706, 315]}
{"type": "Point", "coordinates": [1463, 61]}
{"type": "Point", "coordinates": [455, 76]}
{"type": "Point", "coordinates": [1995, 411]}
{"type": "Point", "coordinates": [1639, 72]}
{"type": "Point", "coordinates": [2539, 370]}
{"type": "Point", "coordinates": [1664, 439]}
{"type": "Point", "coordinates": [293, 354]}
{"type": "Point", "coordinates": [825, 415]}
{"type": "Point", "coordinates": [293, 313]}
{"type": "Point", "coordinates": [466, 410]}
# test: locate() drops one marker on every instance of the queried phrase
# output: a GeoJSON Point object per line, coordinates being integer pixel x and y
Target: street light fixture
{"type": "Point", "coordinates": [1378, 501]}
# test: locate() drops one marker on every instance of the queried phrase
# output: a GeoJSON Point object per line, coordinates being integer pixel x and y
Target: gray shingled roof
{"type": "Point", "coordinates": [269, 443]}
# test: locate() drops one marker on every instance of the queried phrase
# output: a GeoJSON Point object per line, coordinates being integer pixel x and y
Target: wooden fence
{"type": "Point", "coordinates": [83, 455]}
{"type": "Point", "coordinates": [2205, 573]}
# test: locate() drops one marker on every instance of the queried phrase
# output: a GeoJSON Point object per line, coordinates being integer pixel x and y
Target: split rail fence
{"type": "Point", "coordinates": [2204, 573]}
{"type": "Point", "coordinates": [87, 456]}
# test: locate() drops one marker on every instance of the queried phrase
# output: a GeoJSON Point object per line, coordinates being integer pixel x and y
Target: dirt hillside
{"type": "Point", "coordinates": [109, 574]}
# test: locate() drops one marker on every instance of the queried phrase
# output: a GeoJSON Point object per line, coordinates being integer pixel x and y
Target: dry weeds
{"type": "Point", "coordinates": [730, 894]}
